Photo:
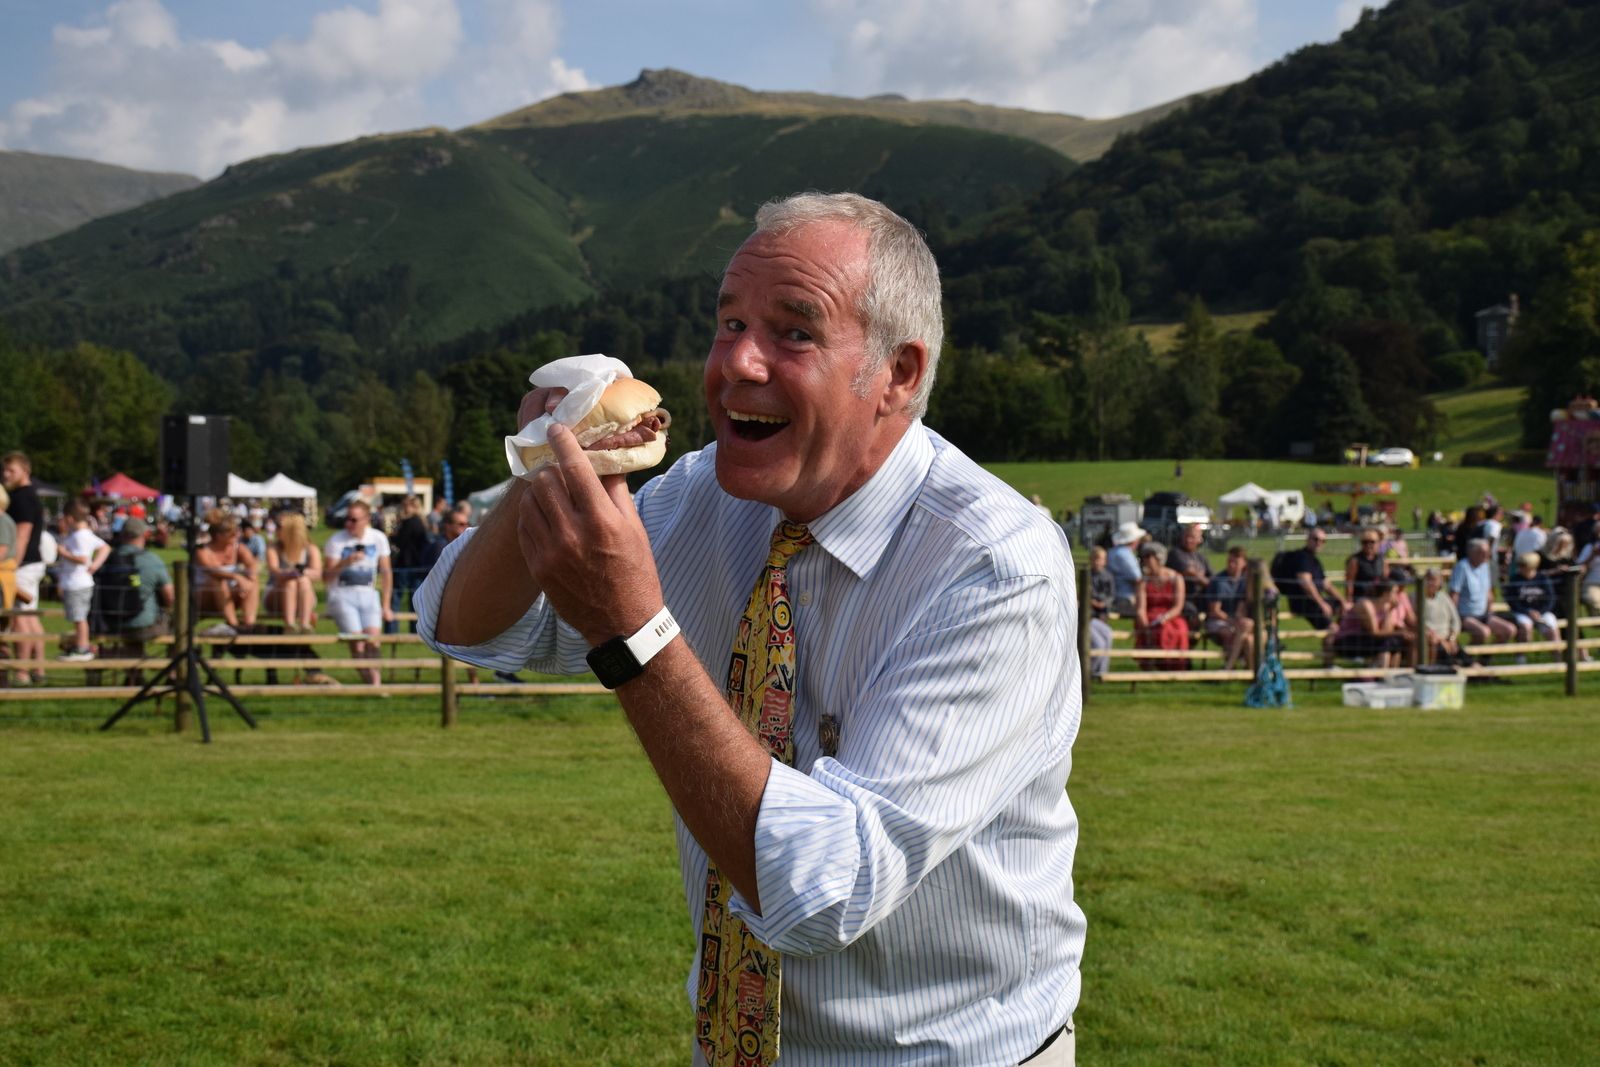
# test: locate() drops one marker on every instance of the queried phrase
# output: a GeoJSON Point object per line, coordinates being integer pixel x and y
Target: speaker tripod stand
{"type": "Point", "coordinates": [183, 670]}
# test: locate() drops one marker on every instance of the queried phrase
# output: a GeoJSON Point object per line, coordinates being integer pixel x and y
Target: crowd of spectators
{"type": "Point", "coordinates": [115, 590]}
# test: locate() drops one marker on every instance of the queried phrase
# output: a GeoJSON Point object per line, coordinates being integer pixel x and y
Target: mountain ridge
{"type": "Point", "coordinates": [45, 195]}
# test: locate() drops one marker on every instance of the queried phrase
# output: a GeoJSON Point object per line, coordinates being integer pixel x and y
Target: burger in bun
{"type": "Point", "coordinates": [624, 430]}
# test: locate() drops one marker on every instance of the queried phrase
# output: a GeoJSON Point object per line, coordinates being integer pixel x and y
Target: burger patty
{"type": "Point", "coordinates": [642, 432]}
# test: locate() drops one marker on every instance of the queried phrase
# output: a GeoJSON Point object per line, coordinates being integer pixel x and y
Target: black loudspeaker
{"type": "Point", "coordinates": [194, 455]}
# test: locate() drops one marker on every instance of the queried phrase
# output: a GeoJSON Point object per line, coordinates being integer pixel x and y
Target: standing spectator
{"type": "Point", "coordinates": [436, 517]}
{"type": "Point", "coordinates": [294, 567]}
{"type": "Point", "coordinates": [80, 554]}
{"type": "Point", "coordinates": [1531, 538]}
{"type": "Point", "coordinates": [410, 547]}
{"type": "Point", "coordinates": [1492, 530]}
{"type": "Point", "coordinates": [1188, 558]}
{"type": "Point", "coordinates": [1227, 618]}
{"type": "Point", "coordinates": [1472, 589]}
{"type": "Point", "coordinates": [1441, 620]}
{"type": "Point", "coordinates": [1305, 585]}
{"type": "Point", "coordinates": [452, 524]}
{"type": "Point", "coordinates": [1365, 567]}
{"type": "Point", "coordinates": [251, 538]}
{"type": "Point", "coordinates": [1124, 566]}
{"type": "Point", "coordinates": [16, 471]}
{"type": "Point", "coordinates": [1102, 590]}
{"type": "Point", "coordinates": [354, 560]}
{"type": "Point", "coordinates": [225, 572]}
{"type": "Point", "coordinates": [1158, 609]}
{"type": "Point", "coordinates": [1587, 530]}
{"type": "Point", "coordinates": [8, 557]}
{"type": "Point", "coordinates": [1531, 601]}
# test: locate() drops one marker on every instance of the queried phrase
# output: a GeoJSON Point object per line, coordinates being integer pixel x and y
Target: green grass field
{"type": "Point", "coordinates": [1319, 885]}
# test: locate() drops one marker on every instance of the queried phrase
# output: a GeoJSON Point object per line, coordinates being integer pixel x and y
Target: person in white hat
{"type": "Point", "coordinates": [1124, 565]}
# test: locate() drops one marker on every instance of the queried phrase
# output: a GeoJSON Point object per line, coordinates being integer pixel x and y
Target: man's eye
{"type": "Point", "coordinates": [797, 334]}
{"type": "Point", "coordinates": [733, 325]}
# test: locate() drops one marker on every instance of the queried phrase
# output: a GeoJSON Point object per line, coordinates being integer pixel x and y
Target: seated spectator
{"type": "Point", "coordinates": [294, 567]}
{"type": "Point", "coordinates": [225, 573]}
{"type": "Point", "coordinates": [1124, 566]}
{"type": "Point", "coordinates": [1559, 554]}
{"type": "Point", "coordinates": [133, 590]}
{"type": "Point", "coordinates": [1188, 558]}
{"type": "Point", "coordinates": [1472, 589]}
{"type": "Point", "coordinates": [1305, 586]}
{"type": "Point", "coordinates": [1158, 609]}
{"type": "Point", "coordinates": [1102, 589]}
{"type": "Point", "coordinates": [1365, 567]}
{"type": "Point", "coordinates": [1227, 611]}
{"type": "Point", "coordinates": [1531, 600]}
{"type": "Point", "coordinates": [1375, 628]}
{"type": "Point", "coordinates": [251, 538]}
{"type": "Point", "coordinates": [1393, 546]}
{"type": "Point", "coordinates": [1441, 621]}
{"type": "Point", "coordinates": [1530, 538]}
{"type": "Point", "coordinates": [1588, 564]}
{"type": "Point", "coordinates": [80, 554]}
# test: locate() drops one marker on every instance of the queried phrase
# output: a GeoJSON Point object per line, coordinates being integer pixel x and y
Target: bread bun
{"type": "Point", "coordinates": [624, 402]}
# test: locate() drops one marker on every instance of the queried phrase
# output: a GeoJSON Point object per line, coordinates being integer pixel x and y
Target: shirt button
{"type": "Point", "coordinates": [804, 599]}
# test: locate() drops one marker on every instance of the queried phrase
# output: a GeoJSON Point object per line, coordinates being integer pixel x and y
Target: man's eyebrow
{"type": "Point", "coordinates": [803, 308]}
{"type": "Point", "coordinates": [725, 298]}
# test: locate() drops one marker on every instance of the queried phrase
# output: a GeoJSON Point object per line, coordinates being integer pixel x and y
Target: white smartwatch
{"type": "Point", "coordinates": [622, 659]}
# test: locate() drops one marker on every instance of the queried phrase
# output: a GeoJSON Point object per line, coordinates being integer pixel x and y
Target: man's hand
{"type": "Point", "coordinates": [584, 545]}
{"type": "Point", "coordinates": [536, 402]}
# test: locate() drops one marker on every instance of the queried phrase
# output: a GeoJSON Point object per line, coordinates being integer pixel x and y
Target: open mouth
{"type": "Point", "coordinates": [748, 426]}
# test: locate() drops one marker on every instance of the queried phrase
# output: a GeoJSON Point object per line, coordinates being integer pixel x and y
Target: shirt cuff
{"type": "Point", "coordinates": [807, 858]}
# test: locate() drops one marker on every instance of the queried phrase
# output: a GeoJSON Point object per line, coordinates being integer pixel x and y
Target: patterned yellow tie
{"type": "Point", "coordinates": [736, 1011]}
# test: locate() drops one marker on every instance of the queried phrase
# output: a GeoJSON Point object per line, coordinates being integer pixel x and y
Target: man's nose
{"type": "Point", "coordinates": [745, 361]}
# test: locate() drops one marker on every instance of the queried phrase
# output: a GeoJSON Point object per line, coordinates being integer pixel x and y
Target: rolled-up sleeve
{"type": "Point", "coordinates": [538, 641]}
{"type": "Point", "coordinates": [971, 708]}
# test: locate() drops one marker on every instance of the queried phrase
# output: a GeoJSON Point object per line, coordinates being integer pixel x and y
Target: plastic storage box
{"type": "Point", "coordinates": [1438, 691]}
{"type": "Point", "coordinates": [1377, 695]}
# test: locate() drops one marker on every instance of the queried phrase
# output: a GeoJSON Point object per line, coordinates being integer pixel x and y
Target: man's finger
{"type": "Point", "coordinates": [582, 482]}
{"type": "Point", "coordinates": [616, 487]}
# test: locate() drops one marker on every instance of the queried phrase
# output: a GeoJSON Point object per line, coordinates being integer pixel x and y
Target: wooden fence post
{"type": "Point", "coordinates": [447, 691]}
{"type": "Point", "coordinates": [1085, 612]}
{"type": "Point", "coordinates": [182, 605]}
{"type": "Point", "coordinates": [1572, 633]}
{"type": "Point", "coordinates": [1258, 609]}
{"type": "Point", "coordinates": [1422, 658]}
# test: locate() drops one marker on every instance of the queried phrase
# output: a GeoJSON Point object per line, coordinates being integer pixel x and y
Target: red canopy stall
{"type": "Point", "coordinates": [121, 487]}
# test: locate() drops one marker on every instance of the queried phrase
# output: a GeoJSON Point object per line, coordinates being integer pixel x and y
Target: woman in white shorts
{"type": "Point", "coordinates": [360, 579]}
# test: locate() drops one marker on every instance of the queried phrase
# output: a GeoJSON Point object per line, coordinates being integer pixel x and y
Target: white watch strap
{"type": "Point", "coordinates": [653, 636]}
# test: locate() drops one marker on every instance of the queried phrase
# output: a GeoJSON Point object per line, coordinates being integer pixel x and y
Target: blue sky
{"type": "Point", "coordinates": [194, 85]}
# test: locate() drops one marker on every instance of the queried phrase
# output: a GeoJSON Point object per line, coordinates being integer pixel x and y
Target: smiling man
{"type": "Point", "coordinates": [867, 751]}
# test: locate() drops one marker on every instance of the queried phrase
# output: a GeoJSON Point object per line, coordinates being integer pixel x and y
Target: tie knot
{"type": "Point", "coordinates": [787, 539]}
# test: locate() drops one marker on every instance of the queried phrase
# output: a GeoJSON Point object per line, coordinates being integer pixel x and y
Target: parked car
{"type": "Point", "coordinates": [1166, 513]}
{"type": "Point", "coordinates": [1392, 457]}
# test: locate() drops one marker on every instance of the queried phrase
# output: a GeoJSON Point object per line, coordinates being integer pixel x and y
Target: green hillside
{"type": "Point", "coordinates": [672, 93]}
{"type": "Point", "coordinates": [41, 196]}
{"type": "Point", "coordinates": [413, 239]}
{"type": "Point", "coordinates": [1485, 419]}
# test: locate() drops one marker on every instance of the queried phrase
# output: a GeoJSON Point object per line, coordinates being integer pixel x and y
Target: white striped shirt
{"type": "Point", "coordinates": [918, 883]}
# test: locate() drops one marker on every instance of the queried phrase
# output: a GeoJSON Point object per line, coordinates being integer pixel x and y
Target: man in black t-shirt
{"type": "Point", "coordinates": [1301, 580]}
{"type": "Point", "coordinates": [16, 470]}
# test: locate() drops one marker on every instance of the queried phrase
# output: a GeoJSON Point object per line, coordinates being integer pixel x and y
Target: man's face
{"type": "Point", "coordinates": [1192, 536]}
{"type": "Point", "coordinates": [1236, 565]}
{"type": "Point", "coordinates": [1432, 584]}
{"type": "Point", "coordinates": [793, 428]}
{"type": "Point", "coordinates": [1315, 541]}
{"type": "Point", "coordinates": [450, 526]}
{"type": "Point", "coordinates": [1477, 554]}
{"type": "Point", "coordinates": [356, 520]}
{"type": "Point", "coordinates": [13, 474]}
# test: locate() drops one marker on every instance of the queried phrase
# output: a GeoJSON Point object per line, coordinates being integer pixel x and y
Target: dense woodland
{"type": "Point", "coordinates": [1374, 193]}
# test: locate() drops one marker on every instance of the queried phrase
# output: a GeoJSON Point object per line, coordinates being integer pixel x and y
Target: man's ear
{"type": "Point", "coordinates": [907, 367]}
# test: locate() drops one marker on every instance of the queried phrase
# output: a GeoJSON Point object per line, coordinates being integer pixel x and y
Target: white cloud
{"type": "Point", "coordinates": [129, 87]}
{"type": "Point", "coordinates": [1088, 57]}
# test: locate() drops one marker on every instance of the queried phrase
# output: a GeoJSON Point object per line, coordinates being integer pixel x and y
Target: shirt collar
{"type": "Point", "coordinates": [857, 530]}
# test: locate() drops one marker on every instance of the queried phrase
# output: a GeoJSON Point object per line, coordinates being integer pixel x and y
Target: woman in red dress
{"type": "Point", "coordinates": [1158, 609]}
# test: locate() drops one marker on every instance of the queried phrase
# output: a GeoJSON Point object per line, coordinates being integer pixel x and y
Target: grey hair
{"type": "Point", "coordinates": [1156, 549]}
{"type": "Point", "coordinates": [1478, 542]}
{"type": "Point", "coordinates": [902, 301]}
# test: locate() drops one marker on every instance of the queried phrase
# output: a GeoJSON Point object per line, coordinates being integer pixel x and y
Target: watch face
{"type": "Point", "coordinates": [613, 663]}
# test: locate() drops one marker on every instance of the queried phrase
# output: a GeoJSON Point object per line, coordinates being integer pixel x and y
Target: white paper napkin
{"type": "Point", "coordinates": [584, 378]}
